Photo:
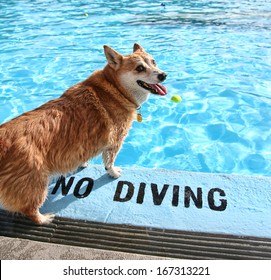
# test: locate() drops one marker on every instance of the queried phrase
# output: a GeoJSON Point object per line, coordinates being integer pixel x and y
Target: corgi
{"type": "Point", "coordinates": [90, 118]}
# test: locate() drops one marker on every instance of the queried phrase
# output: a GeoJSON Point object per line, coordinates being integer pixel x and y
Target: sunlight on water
{"type": "Point", "coordinates": [217, 55]}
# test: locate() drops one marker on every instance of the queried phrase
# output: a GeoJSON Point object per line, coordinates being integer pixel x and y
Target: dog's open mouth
{"type": "Point", "coordinates": [153, 88]}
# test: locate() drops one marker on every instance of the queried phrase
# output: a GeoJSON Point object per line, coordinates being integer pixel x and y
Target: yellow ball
{"type": "Point", "coordinates": [176, 98]}
{"type": "Point", "coordinates": [86, 14]}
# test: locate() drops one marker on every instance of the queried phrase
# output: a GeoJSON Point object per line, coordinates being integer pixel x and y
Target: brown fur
{"type": "Point", "coordinates": [90, 118]}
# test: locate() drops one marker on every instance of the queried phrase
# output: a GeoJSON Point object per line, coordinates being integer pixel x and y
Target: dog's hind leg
{"type": "Point", "coordinates": [25, 194]}
{"type": "Point", "coordinates": [35, 200]}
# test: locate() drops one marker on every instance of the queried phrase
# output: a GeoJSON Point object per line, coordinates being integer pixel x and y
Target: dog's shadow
{"type": "Point", "coordinates": [54, 205]}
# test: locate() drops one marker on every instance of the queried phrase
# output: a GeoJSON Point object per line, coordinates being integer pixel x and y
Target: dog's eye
{"type": "Point", "coordinates": [140, 68]}
{"type": "Point", "coordinates": [153, 62]}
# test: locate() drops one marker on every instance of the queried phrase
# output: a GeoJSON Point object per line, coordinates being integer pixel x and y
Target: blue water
{"type": "Point", "coordinates": [217, 55]}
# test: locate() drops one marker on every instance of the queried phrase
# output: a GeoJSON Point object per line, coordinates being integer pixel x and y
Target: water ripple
{"type": "Point", "coordinates": [217, 55]}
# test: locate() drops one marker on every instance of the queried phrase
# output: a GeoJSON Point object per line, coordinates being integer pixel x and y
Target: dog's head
{"type": "Point", "coordinates": [137, 73]}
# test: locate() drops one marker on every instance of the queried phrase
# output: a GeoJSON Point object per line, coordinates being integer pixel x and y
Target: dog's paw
{"type": "Point", "coordinates": [84, 165]}
{"type": "Point", "coordinates": [48, 218]}
{"type": "Point", "coordinates": [44, 219]}
{"type": "Point", "coordinates": [114, 172]}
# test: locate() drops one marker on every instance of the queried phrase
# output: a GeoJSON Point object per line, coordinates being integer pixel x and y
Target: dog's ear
{"type": "Point", "coordinates": [114, 58]}
{"type": "Point", "coordinates": [138, 48]}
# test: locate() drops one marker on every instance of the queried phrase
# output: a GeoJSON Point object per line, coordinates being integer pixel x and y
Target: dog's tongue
{"type": "Point", "coordinates": [161, 90]}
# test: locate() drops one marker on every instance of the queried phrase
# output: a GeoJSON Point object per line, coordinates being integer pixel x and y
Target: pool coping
{"type": "Point", "coordinates": [97, 212]}
{"type": "Point", "coordinates": [166, 199]}
{"type": "Point", "coordinates": [136, 242]}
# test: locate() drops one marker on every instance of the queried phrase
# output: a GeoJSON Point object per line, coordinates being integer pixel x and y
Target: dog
{"type": "Point", "coordinates": [90, 118]}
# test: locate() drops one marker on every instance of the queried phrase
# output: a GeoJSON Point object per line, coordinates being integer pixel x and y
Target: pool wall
{"type": "Point", "coordinates": [165, 199]}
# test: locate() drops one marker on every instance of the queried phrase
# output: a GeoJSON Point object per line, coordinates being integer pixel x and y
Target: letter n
{"type": "Point", "coordinates": [188, 194]}
{"type": "Point", "coordinates": [65, 188]}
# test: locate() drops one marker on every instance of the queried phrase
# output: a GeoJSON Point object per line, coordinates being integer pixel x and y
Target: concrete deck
{"type": "Point", "coordinates": [23, 249]}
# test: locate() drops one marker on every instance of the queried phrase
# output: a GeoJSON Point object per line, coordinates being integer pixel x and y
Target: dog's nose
{"type": "Point", "coordinates": [162, 76]}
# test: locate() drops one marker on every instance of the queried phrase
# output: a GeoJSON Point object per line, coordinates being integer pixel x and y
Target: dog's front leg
{"type": "Point", "coordinates": [109, 156]}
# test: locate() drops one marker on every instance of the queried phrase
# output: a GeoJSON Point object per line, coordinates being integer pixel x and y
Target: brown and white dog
{"type": "Point", "coordinates": [90, 118]}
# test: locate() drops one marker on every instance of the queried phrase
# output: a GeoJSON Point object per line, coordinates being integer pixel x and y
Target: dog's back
{"type": "Point", "coordinates": [47, 137]}
{"type": "Point", "coordinates": [63, 133]}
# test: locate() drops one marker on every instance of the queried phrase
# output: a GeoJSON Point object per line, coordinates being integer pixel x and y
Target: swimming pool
{"type": "Point", "coordinates": [217, 55]}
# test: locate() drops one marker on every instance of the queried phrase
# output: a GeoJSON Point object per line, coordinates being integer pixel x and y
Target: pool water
{"type": "Point", "coordinates": [217, 55]}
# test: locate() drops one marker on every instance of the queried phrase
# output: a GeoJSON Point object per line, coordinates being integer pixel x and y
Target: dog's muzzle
{"type": "Point", "coordinates": [155, 88]}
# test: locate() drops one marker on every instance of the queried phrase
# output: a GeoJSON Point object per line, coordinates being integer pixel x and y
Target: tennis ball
{"type": "Point", "coordinates": [86, 14]}
{"type": "Point", "coordinates": [176, 98]}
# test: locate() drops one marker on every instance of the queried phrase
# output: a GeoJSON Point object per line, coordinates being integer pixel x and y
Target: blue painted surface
{"type": "Point", "coordinates": [238, 205]}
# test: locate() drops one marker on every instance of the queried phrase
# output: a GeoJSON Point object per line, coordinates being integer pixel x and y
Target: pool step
{"type": "Point", "coordinates": [139, 240]}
